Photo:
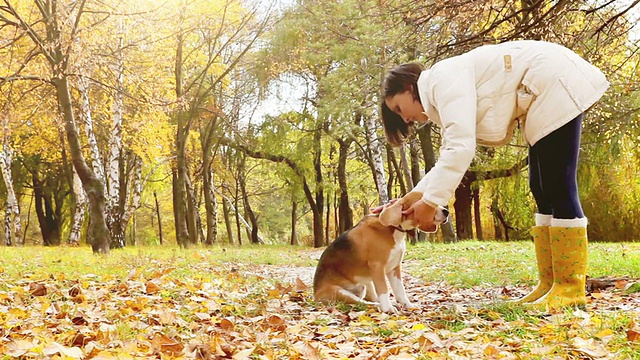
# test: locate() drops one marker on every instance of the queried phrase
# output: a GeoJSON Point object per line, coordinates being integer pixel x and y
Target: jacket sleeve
{"type": "Point", "coordinates": [453, 95]}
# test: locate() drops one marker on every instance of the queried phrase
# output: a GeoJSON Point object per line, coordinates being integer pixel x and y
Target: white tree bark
{"type": "Point", "coordinates": [13, 227]}
{"type": "Point", "coordinates": [81, 206]}
{"type": "Point", "coordinates": [115, 149]}
{"type": "Point", "coordinates": [375, 148]}
{"type": "Point", "coordinates": [136, 193]}
{"type": "Point", "coordinates": [214, 212]}
{"type": "Point", "coordinates": [85, 113]}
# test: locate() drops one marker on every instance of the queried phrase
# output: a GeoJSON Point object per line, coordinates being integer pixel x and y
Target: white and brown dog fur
{"type": "Point", "coordinates": [354, 268]}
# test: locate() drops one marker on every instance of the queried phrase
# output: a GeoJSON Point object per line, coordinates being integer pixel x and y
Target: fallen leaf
{"type": "Point", "coordinates": [301, 286]}
{"type": "Point", "coordinates": [167, 345]}
{"type": "Point", "coordinates": [244, 354]}
{"type": "Point", "coordinates": [226, 324]}
{"type": "Point", "coordinates": [19, 347]}
{"type": "Point", "coordinates": [37, 289]}
{"type": "Point", "coordinates": [75, 291]}
{"type": "Point", "coordinates": [55, 348]}
{"type": "Point", "coordinates": [491, 351]}
{"type": "Point", "coordinates": [309, 352]}
{"type": "Point", "coordinates": [151, 288]}
{"type": "Point", "coordinates": [633, 333]}
{"type": "Point", "coordinates": [589, 347]}
{"type": "Point", "coordinates": [276, 322]}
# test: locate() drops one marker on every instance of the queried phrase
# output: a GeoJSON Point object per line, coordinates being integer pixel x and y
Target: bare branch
{"type": "Point", "coordinates": [616, 16]}
{"type": "Point", "coordinates": [8, 79]}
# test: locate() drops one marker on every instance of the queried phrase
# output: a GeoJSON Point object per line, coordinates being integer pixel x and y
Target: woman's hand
{"type": "Point", "coordinates": [378, 209]}
{"type": "Point", "coordinates": [423, 214]}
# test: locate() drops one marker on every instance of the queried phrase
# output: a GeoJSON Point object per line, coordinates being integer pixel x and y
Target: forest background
{"type": "Point", "coordinates": [225, 121]}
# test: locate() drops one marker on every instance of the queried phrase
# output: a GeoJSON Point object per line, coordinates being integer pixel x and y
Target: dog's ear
{"type": "Point", "coordinates": [411, 198]}
{"type": "Point", "coordinates": [391, 215]}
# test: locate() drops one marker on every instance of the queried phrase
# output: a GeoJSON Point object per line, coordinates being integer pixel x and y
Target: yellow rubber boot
{"type": "Point", "coordinates": [545, 268]}
{"type": "Point", "coordinates": [569, 259]}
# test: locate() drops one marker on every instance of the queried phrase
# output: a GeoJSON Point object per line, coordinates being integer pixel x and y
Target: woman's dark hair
{"type": "Point", "coordinates": [398, 80]}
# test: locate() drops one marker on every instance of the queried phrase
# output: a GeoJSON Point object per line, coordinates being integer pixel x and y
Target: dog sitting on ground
{"type": "Point", "coordinates": [355, 267]}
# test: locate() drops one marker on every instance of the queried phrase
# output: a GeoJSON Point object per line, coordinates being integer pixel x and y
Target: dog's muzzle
{"type": "Point", "coordinates": [442, 215]}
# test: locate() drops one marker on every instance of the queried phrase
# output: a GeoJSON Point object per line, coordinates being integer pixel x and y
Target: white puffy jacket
{"type": "Point", "coordinates": [480, 96]}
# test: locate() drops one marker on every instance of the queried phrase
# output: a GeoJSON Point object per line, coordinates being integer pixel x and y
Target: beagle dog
{"type": "Point", "coordinates": [355, 267]}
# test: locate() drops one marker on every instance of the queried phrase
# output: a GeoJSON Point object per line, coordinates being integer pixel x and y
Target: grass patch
{"type": "Point", "coordinates": [39, 263]}
{"type": "Point", "coordinates": [491, 263]}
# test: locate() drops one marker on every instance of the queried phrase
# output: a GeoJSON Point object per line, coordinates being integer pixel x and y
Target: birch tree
{"type": "Point", "coordinates": [79, 210]}
{"type": "Point", "coordinates": [114, 212]}
{"type": "Point", "coordinates": [52, 26]}
{"type": "Point", "coordinates": [375, 148]}
{"type": "Point", "coordinates": [12, 226]}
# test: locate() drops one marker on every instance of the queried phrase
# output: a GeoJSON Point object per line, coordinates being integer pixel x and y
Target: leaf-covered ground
{"type": "Point", "coordinates": [193, 307]}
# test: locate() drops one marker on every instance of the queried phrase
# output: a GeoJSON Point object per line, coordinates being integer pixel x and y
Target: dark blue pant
{"type": "Point", "coordinates": [553, 167]}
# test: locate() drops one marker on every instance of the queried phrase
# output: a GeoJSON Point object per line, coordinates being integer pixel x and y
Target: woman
{"type": "Point", "coordinates": [479, 98]}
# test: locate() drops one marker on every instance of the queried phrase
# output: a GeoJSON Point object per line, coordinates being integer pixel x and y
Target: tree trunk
{"type": "Point", "coordinates": [98, 233]}
{"type": "Point", "coordinates": [253, 229]}
{"type": "Point", "coordinates": [416, 171]}
{"type": "Point", "coordinates": [13, 226]}
{"type": "Point", "coordinates": [116, 197]}
{"type": "Point", "coordinates": [404, 166]}
{"type": "Point", "coordinates": [182, 134]}
{"type": "Point", "coordinates": [182, 236]}
{"type": "Point", "coordinates": [294, 210]}
{"type": "Point", "coordinates": [85, 115]}
{"type": "Point", "coordinates": [318, 236]}
{"type": "Point", "coordinates": [133, 234]}
{"type": "Point", "coordinates": [135, 187]}
{"type": "Point", "coordinates": [210, 200]}
{"type": "Point", "coordinates": [377, 164]}
{"type": "Point", "coordinates": [462, 206]}
{"type": "Point", "coordinates": [395, 171]}
{"type": "Point", "coordinates": [426, 144]}
{"type": "Point", "coordinates": [79, 210]}
{"type": "Point", "coordinates": [194, 223]}
{"type": "Point", "coordinates": [160, 235]}
{"type": "Point", "coordinates": [46, 215]}
{"type": "Point", "coordinates": [345, 213]}
{"type": "Point", "coordinates": [476, 213]}
{"type": "Point", "coordinates": [237, 214]}
{"type": "Point", "coordinates": [227, 220]}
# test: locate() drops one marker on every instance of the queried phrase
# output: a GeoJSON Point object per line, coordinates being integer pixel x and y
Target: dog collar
{"type": "Point", "coordinates": [411, 232]}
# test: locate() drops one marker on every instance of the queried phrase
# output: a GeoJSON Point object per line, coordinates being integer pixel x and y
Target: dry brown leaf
{"type": "Point", "coordinates": [151, 288]}
{"type": "Point", "coordinates": [137, 304]}
{"type": "Point", "coordinates": [491, 351]}
{"type": "Point", "coordinates": [633, 333]}
{"type": "Point", "coordinates": [300, 286]}
{"type": "Point", "coordinates": [276, 322]}
{"type": "Point", "coordinates": [220, 346]}
{"type": "Point", "coordinates": [37, 289]}
{"type": "Point", "coordinates": [75, 291]}
{"type": "Point", "coordinates": [226, 324]}
{"type": "Point", "coordinates": [307, 350]}
{"type": "Point", "coordinates": [166, 345]}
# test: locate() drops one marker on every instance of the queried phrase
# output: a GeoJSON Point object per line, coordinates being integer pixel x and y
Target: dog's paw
{"type": "Point", "coordinates": [410, 306]}
{"type": "Point", "coordinates": [390, 309]}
